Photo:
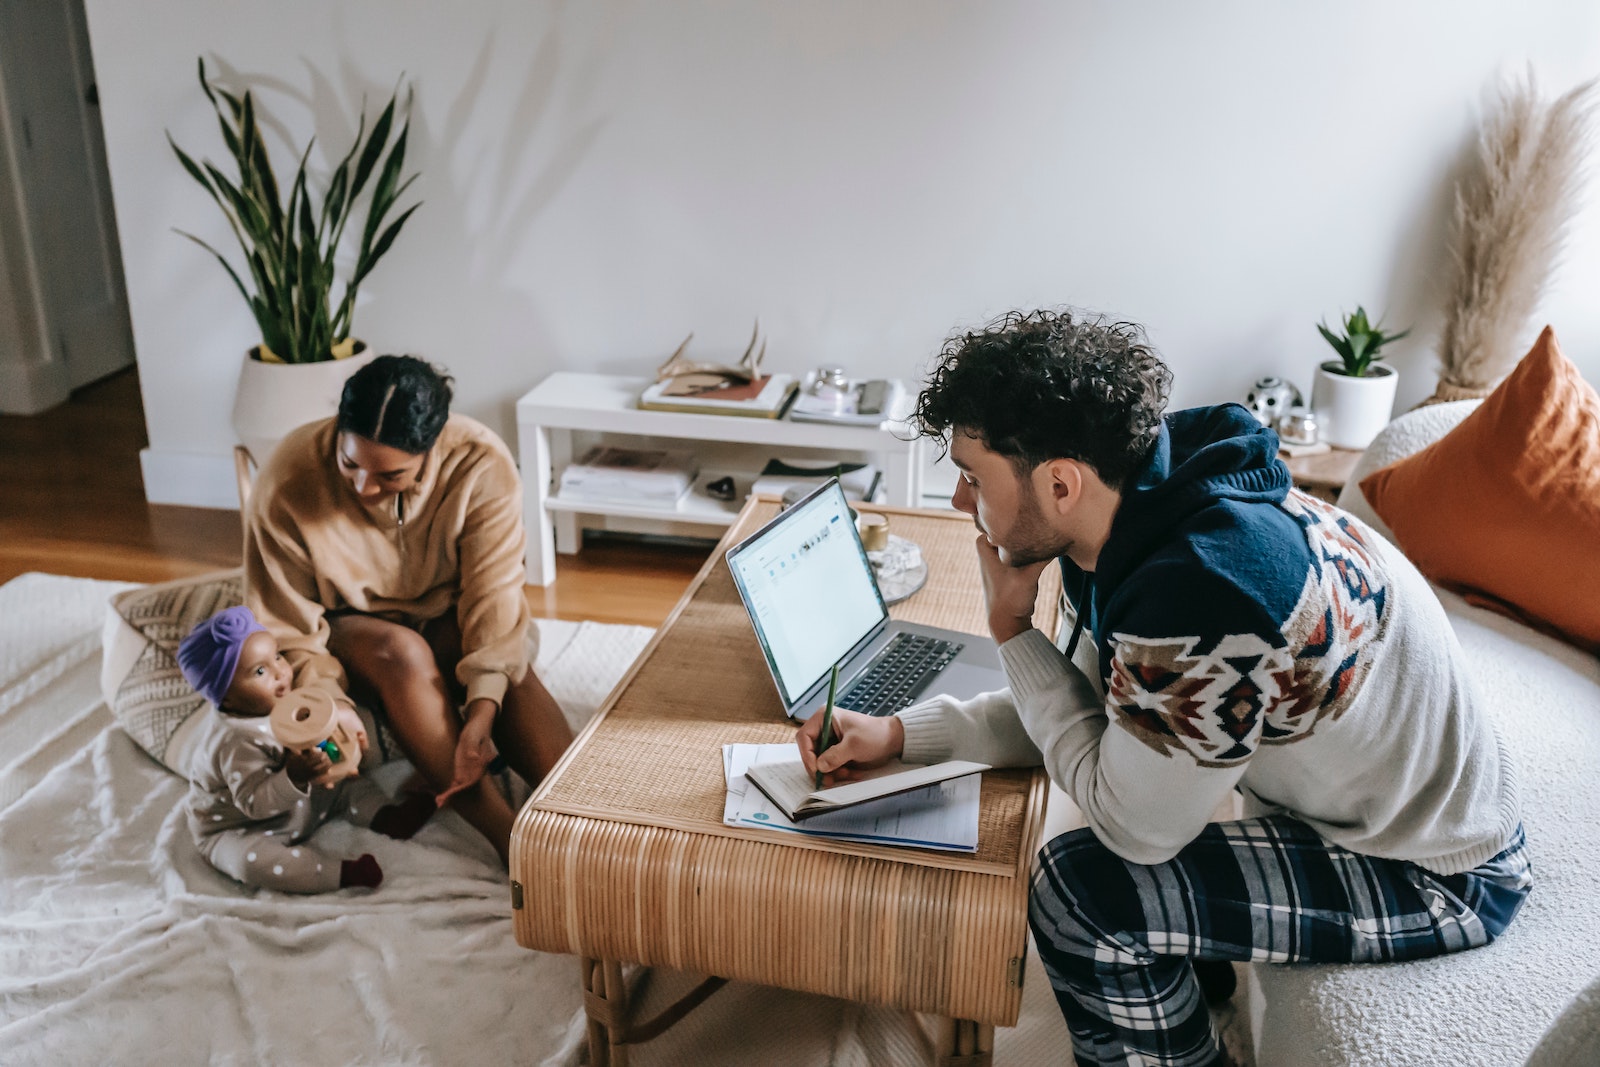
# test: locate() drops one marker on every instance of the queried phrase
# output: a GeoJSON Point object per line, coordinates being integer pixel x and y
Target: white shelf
{"type": "Point", "coordinates": [606, 403]}
{"type": "Point", "coordinates": [568, 403]}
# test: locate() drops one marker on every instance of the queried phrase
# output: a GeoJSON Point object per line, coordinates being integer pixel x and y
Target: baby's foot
{"type": "Point", "coordinates": [404, 819]}
{"type": "Point", "coordinates": [362, 871]}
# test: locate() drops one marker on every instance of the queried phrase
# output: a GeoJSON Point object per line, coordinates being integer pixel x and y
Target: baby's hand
{"type": "Point", "coordinates": [306, 767]}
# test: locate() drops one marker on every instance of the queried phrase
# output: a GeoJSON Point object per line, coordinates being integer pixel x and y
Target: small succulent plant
{"type": "Point", "coordinates": [1359, 345]}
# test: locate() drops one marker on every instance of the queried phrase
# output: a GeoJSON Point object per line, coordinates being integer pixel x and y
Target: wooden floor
{"type": "Point", "coordinates": [72, 502]}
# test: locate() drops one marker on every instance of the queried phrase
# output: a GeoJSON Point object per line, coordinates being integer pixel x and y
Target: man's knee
{"type": "Point", "coordinates": [1059, 901]}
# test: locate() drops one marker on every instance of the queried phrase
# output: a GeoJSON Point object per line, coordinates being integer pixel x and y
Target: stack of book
{"type": "Point", "coordinates": [764, 398]}
{"type": "Point", "coordinates": [611, 475]}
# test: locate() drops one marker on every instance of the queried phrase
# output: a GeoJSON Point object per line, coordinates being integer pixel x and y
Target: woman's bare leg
{"type": "Point", "coordinates": [530, 731]}
{"type": "Point", "coordinates": [398, 666]}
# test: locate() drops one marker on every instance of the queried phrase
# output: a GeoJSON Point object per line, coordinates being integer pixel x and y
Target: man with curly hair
{"type": "Point", "coordinates": [1230, 633]}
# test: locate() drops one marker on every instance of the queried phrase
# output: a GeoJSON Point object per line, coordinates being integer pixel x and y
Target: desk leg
{"type": "Point", "coordinates": [540, 556]}
{"type": "Point", "coordinates": [612, 1027]}
{"type": "Point", "coordinates": [605, 1003]}
{"type": "Point", "coordinates": [964, 1043]}
{"type": "Point", "coordinates": [568, 539]}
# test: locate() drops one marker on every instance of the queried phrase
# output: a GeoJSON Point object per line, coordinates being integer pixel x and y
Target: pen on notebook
{"type": "Point", "coordinates": [825, 738]}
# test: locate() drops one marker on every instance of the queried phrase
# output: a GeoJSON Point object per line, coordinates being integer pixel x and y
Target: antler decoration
{"type": "Point", "coordinates": [747, 370]}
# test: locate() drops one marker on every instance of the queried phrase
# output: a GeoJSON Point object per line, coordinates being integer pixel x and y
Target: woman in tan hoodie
{"type": "Point", "coordinates": [384, 550]}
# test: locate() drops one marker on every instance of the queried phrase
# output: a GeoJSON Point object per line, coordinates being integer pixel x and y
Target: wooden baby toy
{"type": "Point", "coordinates": [304, 719]}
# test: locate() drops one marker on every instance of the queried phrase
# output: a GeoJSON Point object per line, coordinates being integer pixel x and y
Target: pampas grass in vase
{"type": "Point", "coordinates": [1511, 220]}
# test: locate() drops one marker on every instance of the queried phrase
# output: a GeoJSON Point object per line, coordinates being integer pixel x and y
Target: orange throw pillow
{"type": "Point", "coordinates": [1505, 509]}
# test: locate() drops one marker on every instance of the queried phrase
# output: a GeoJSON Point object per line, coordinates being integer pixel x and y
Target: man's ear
{"type": "Point", "coordinates": [1063, 483]}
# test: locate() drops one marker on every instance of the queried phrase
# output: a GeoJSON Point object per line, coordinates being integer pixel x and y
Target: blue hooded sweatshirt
{"type": "Point", "coordinates": [1237, 632]}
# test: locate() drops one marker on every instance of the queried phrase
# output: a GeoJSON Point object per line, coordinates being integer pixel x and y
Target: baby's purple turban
{"type": "Point", "coordinates": [209, 655]}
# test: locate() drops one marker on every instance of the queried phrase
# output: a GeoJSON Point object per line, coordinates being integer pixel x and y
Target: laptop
{"type": "Point", "coordinates": [813, 600]}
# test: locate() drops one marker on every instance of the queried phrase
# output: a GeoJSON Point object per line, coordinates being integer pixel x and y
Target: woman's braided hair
{"type": "Point", "coordinates": [398, 401]}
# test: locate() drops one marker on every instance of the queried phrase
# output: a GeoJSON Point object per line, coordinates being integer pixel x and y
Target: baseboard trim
{"type": "Point", "coordinates": [189, 479]}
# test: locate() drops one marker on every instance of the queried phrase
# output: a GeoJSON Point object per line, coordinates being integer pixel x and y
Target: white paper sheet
{"type": "Point", "coordinates": [942, 816]}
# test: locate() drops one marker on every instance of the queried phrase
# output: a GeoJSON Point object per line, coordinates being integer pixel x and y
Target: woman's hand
{"type": "Point", "coordinates": [346, 717]}
{"type": "Point", "coordinates": [475, 748]}
{"type": "Point", "coordinates": [860, 742]}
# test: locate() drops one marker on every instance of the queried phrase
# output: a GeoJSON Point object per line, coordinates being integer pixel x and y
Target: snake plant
{"type": "Point", "coordinates": [289, 246]}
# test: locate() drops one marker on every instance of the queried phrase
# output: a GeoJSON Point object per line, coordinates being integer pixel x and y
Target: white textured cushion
{"type": "Point", "coordinates": [1489, 1006]}
{"type": "Point", "coordinates": [1573, 1040]}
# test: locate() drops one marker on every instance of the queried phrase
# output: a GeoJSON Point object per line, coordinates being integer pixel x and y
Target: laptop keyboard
{"type": "Point", "coordinates": [898, 673]}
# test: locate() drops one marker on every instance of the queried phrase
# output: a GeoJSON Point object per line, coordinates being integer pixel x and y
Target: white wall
{"type": "Point", "coordinates": [601, 178]}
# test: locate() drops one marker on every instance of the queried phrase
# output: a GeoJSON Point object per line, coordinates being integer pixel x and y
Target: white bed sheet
{"type": "Point", "coordinates": [119, 944]}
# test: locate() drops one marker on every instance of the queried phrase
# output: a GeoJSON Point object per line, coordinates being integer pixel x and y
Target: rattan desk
{"type": "Point", "coordinates": [622, 855]}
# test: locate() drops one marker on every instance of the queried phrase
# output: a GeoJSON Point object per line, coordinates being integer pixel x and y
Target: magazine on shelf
{"type": "Point", "coordinates": [608, 474]}
{"type": "Point", "coordinates": [860, 481]}
{"type": "Point", "coordinates": [768, 401]}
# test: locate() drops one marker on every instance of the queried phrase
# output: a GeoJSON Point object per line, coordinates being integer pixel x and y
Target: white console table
{"type": "Point", "coordinates": [568, 403]}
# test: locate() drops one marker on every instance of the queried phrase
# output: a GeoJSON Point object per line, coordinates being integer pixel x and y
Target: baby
{"type": "Point", "coordinates": [253, 803]}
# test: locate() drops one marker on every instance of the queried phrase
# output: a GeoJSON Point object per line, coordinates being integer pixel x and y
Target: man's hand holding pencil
{"type": "Point", "coordinates": [858, 743]}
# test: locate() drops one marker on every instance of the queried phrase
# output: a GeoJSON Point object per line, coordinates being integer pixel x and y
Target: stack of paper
{"type": "Point", "coordinates": [942, 816]}
{"type": "Point", "coordinates": [612, 475]}
{"type": "Point", "coordinates": [843, 409]}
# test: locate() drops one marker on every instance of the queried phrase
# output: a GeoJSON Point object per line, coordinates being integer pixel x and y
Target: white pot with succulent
{"type": "Point", "coordinates": [1353, 396]}
{"type": "Point", "coordinates": [297, 373]}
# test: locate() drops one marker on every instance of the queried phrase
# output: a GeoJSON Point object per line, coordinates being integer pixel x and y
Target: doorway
{"type": "Point", "coordinates": [63, 306]}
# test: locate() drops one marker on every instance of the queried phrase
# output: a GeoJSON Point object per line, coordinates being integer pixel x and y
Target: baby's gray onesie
{"type": "Point", "coordinates": [251, 821]}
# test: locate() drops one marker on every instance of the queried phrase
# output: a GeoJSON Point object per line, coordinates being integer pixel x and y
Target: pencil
{"type": "Point", "coordinates": [825, 738]}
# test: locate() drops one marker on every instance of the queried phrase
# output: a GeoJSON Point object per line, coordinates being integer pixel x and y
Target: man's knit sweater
{"type": "Point", "coordinates": [1240, 633]}
{"type": "Point", "coordinates": [454, 541]}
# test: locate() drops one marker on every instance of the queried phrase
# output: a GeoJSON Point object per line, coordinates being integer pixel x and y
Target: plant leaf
{"type": "Point", "coordinates": [382, 245]}
{"type": "Point", "coordinates": [225, 264]}
{"type": "Point", "coordinates": [1340, 344]}
{"type": "Point", "coordinates": [385, 192]}
{"type": "Point", "coordinates": [191, 166]}
{"type": "Point", "coordinates": [373, 149]}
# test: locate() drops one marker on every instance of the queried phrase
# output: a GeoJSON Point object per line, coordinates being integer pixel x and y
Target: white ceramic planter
{"type": "Point", "coordinates": [1351, 411]}
{"type": "Point", "coordinates": [274, 398]}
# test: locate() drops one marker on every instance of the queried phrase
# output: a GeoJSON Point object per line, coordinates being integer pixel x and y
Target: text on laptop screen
{"type": "Point", "coordinates": [810, 590]}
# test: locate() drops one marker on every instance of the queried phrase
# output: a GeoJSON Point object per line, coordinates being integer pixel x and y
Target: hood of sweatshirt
{"type": "Point", "coordinates": [1204, 458]}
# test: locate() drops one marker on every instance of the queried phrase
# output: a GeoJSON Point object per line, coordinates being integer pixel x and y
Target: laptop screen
{"type": "Point", "coordinates": [809, 589]}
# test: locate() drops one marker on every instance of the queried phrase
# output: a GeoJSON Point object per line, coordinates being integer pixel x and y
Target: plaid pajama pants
{"type": "Point", "coordinates": [1116, 937]}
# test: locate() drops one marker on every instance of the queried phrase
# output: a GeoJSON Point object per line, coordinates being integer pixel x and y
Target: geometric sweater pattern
{"type": "Point", "coordinates": [1219, 698]}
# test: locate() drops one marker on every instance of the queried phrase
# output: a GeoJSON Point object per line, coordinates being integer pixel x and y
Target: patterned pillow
{"type": "Point", "coordinates": [139, 675]}
{"type": "Point", "coordinates": [140, 679]}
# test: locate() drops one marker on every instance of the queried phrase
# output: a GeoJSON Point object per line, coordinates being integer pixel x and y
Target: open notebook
{"type": "Point", "coordinates": [787, 785]}
{"type": "Point", "coordinates": [943, 815]}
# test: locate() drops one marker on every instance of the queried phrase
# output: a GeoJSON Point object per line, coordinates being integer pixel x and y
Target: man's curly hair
{"type": "Point", "coordinates": [1042, 385]}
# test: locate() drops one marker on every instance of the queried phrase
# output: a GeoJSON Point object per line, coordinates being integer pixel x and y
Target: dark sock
{"type": "Point", "coordinates": [402, 820]}
{"type": "Point", "coordinates": [1217, 980]}
{"type": "Point", "coordinates": [361, 871]}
